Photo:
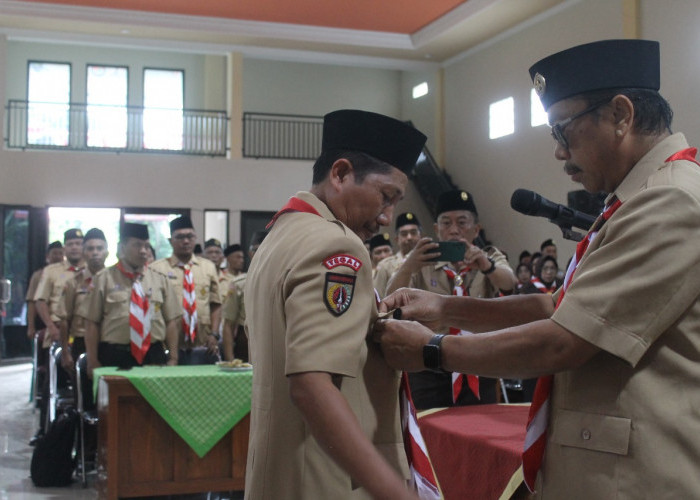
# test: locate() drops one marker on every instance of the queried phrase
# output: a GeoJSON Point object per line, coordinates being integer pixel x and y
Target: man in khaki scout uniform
{"type": "Point", "coordinates": [325, 411]}
{"type": "Point", "coordinates": [107, 310]}
{"type": "Point", "coordinates": [379, 249]}
{"type": "Point", "coordinates": [234, 340]}
{"type": "Point", "coordinates": [48, 295]}
{"type": "Point", "coordinates": [619, 417]}
{"type": "Point", "coordinates": [74, 292]}
{"type": "Point", "coordinates": [408, 232]}
{"type": "Point", "coordinates": [204, 349]}
{"type": "Point", "coordinates": [482, 273]}
{"type": "Point", "coordinates": [54, 255]}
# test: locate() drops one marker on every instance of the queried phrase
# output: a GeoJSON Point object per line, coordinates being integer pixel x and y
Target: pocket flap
{"type": "Point", "coordinates": [592, 431]}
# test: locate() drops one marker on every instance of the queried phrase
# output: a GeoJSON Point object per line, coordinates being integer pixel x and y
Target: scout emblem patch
{"type": "Point", "coordinates": [337, 293]}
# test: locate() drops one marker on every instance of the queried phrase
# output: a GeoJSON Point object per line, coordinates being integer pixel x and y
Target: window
{"type": "Point", "coordinates": [216, 225]}
{"type": "Point", "coordinates": [158, 222]}
{"type": "Point", "coordinates": [48, 93]}
{"type": "Point", "coordinates": [501, 118]}
{"type": "Point", "coordinates": [163, 100]}
{"type": "Point", "coordinates": [107, 219]}
{"type": "Point", "coordinates": [106, 106]}
{"type": "Point", "coordinates": [420, 90]}
{"type": "Point", "coordinates": [538, 116]}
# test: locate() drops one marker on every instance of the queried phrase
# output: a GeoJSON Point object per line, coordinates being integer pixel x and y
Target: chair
{"type": "Point", "coordinates": [38, 371]}
{"type": "Point", "coordinates": [85, 416]}
{"type": "Point", "coordinates": [61, 395]}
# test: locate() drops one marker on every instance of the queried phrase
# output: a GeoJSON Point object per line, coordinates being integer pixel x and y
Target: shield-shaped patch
{"type": "Point", "coordinates": [337, 293]}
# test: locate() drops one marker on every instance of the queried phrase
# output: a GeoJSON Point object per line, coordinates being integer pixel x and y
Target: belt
{"type": "Point", "coordinates": [126, 347]}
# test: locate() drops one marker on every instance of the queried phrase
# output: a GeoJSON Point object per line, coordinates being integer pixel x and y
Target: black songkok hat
{"type": "Point", "coordinates": [386, 139]}
{"type": "Point", "coordinates": [547, 243]}
{"type": "Point", "coordinates": [455, 200]}
{"type": "Point", "coordinates": [232, 248]}
{"type": "Point", "coordinates": [197, 249]}
{"type": "Point", "coordinates": [406, 218]}
{"type": "Point", "coordinates": [132, 230]}
{"type": "Point", "coordinates": [212, 242]}
{"type": "Point", "coordinates": [379, 240]}
{"type": "Point", "coordinates": [72, 234]}
{"type": "Point", "coordinates": [55, 244]}
{"type": "Point", "coordinates": [182, 222]}
{"type": "Point", "coordinates": [95, 234]}
{"type": "Point", "coordinates": [608, 64]}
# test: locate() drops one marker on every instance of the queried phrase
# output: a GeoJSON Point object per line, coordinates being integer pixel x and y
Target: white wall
{"type": "Point", "coordinates": [492, 169]}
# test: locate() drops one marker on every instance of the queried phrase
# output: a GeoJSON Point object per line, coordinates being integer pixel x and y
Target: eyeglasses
{"type": "Point", "coordinates": [190, 236]}
{"type": "Point", "coordinates": [558, 128]}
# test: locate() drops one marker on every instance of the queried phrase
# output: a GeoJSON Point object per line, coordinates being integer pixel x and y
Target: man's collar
{"type": "Point", "coordinates": [647, 165]}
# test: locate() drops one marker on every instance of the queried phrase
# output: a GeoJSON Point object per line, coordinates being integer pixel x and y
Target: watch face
{"type": "Point", "coordinates": [431, 356]}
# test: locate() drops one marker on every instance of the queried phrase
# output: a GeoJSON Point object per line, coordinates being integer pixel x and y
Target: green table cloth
{"type": "Point", "coordinates": [201, 403]}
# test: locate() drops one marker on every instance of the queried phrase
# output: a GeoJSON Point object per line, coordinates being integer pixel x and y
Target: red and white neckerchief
{"type": "Point", "coordinates": [293, 205]}
{"type": "Point", "coordinates": [139, 316]}
{"type": "Point", "coordinates": [459, 288]}
{"type": "Point", "coordinates": [423, 478]}
{"type": "Point", "coordinates": [189, 303]}
{"type": "Point", "coordinates": [542, 287]}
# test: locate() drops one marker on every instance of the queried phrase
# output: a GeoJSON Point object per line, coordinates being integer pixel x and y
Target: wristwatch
{"type": "Point", "coordinates": [492, 268]}
{"type": "Point", "coordinates": [432, 358]}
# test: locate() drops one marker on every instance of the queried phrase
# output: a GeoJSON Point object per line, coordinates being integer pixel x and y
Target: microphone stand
{"type": "Point", "coordinates": [567, 232]}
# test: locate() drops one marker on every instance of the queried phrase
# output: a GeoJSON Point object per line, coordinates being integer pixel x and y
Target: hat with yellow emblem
{"type": "Point", "coordinates": [607, 64]}
{"type": "Point", "coordinates": [72, 234]}
{"type": "Point", "coordinates": [455, 200]}
{"type": "Point", "coordinates": [405, 219]}
{"type": "Point", "coordinates": [379, 240]}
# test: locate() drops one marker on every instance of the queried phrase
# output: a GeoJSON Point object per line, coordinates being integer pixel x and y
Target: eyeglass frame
{"type": "Point", "coordinates": [185, 236]}
{"type": "Point", "coordinates": [558, 128]}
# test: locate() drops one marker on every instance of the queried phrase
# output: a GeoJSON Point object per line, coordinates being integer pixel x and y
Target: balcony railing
{"type": "Point", "coordinates": [288, 137]}
{"type": "Point", "coordinates": [134, 129]}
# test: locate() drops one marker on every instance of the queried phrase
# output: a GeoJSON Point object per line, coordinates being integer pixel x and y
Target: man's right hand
{"type": "Point", "coordinates": [67, 361]}
{"type": "Point", "coordinates": [417, 305]}
{"type": "Point", "coordinates": [421, 255]}
{"type": "Point", "coordinates": [53, 332]}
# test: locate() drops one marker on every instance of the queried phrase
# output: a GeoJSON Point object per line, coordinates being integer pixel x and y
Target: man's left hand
{"type": "Point", "coordinates": [212, 344]}
{"type": "Point", "coordinates": [402, 343]}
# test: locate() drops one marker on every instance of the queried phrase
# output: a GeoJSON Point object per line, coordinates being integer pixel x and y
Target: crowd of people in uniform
{"type": "Point", "coordinates": [330, 321]}
{"type": "Point", "coordinates": [182, 309]}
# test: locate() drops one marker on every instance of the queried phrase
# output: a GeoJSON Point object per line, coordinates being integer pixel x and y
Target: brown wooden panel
{"type": "Point", "coordinates": [140, 454]}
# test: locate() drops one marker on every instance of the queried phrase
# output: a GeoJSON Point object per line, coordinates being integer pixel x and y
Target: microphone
{"type": "Point", "coordinates": [530, 203]}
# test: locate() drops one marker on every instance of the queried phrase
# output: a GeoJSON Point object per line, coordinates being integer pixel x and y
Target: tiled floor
{"type": "Point", "coordinates": [18, 422]}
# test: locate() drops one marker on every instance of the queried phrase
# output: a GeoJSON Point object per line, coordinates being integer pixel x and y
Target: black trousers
{"type": "Point", "coordinates": [434, 390]}
{"type": "Point", "coordinates": [119, 355]}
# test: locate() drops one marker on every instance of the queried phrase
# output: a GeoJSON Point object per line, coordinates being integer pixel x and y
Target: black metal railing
{"type": "Point", "coordinates": [82, 127]}
{"type": "Point", "coordinates": [288, 137]}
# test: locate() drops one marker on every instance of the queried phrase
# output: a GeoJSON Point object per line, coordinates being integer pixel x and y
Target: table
{"type": "Point", "coordinates": [171, 430]}
{"type": "Point", "coordinates": [476, 450]}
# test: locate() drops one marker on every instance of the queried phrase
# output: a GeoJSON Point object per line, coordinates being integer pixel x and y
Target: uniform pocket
{"type": "Point", "coordinates": [591, 431]}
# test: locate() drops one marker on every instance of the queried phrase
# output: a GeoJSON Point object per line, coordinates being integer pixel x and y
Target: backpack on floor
{"type": "Point", "coordinates": [52, 460]}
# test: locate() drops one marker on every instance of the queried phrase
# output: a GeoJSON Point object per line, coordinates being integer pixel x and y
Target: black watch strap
{"type": "Point", "coordinates": [492, 268]}
{"type": "Point", "coordinates": [432, 358]}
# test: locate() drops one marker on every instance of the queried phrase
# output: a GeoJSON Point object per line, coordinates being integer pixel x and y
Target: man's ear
{"type": "Point", "coordinates": [341, 172]}
{"type": "Point", "coordinates": [623, 114]}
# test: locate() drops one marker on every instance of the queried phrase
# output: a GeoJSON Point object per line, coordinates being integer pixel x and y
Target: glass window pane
{"type": "Point", "coordinates": [163, 101]}
{"type": "Point", "coordinates": [158, 230]}
{"type": "Point", "coordinates": [16, 264]}
{"type": "Point", "coordinates": [106, 110]}
{"type": "Point", "coordinates": [538, 116]}
{"type": "Point", "coordinates": [501, 118]}
{"type": "Point", "coordinates": [48, 94]}
{"type": "Point", "coordinates": [216, 225]}
{"type": "Point", "coordinates": [106, 219]}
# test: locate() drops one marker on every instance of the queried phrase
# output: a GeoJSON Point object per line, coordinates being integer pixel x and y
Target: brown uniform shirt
{"type": "Point", "coordinates": [626, 423]}
{"type": "Point", "coordinates": [385, 270]}
{"type": "Point", "coordinates": [33, 285]}
{"type": "Point", "coordinates": [307, 312]}
{"type": "Point", "coordinates": [74, 293]}
{"type": "Point", "coordinates": [206, 284]}
{"type": "Point", "coordinates": [50, 288]}
{"type": "Point", "coordinates": [233, 309]}
{"type": "Point", "coordinates": [108, 304]}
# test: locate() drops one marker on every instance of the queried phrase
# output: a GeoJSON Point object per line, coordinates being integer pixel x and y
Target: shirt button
{"type": "Point", "coordinates": [586, 434]}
